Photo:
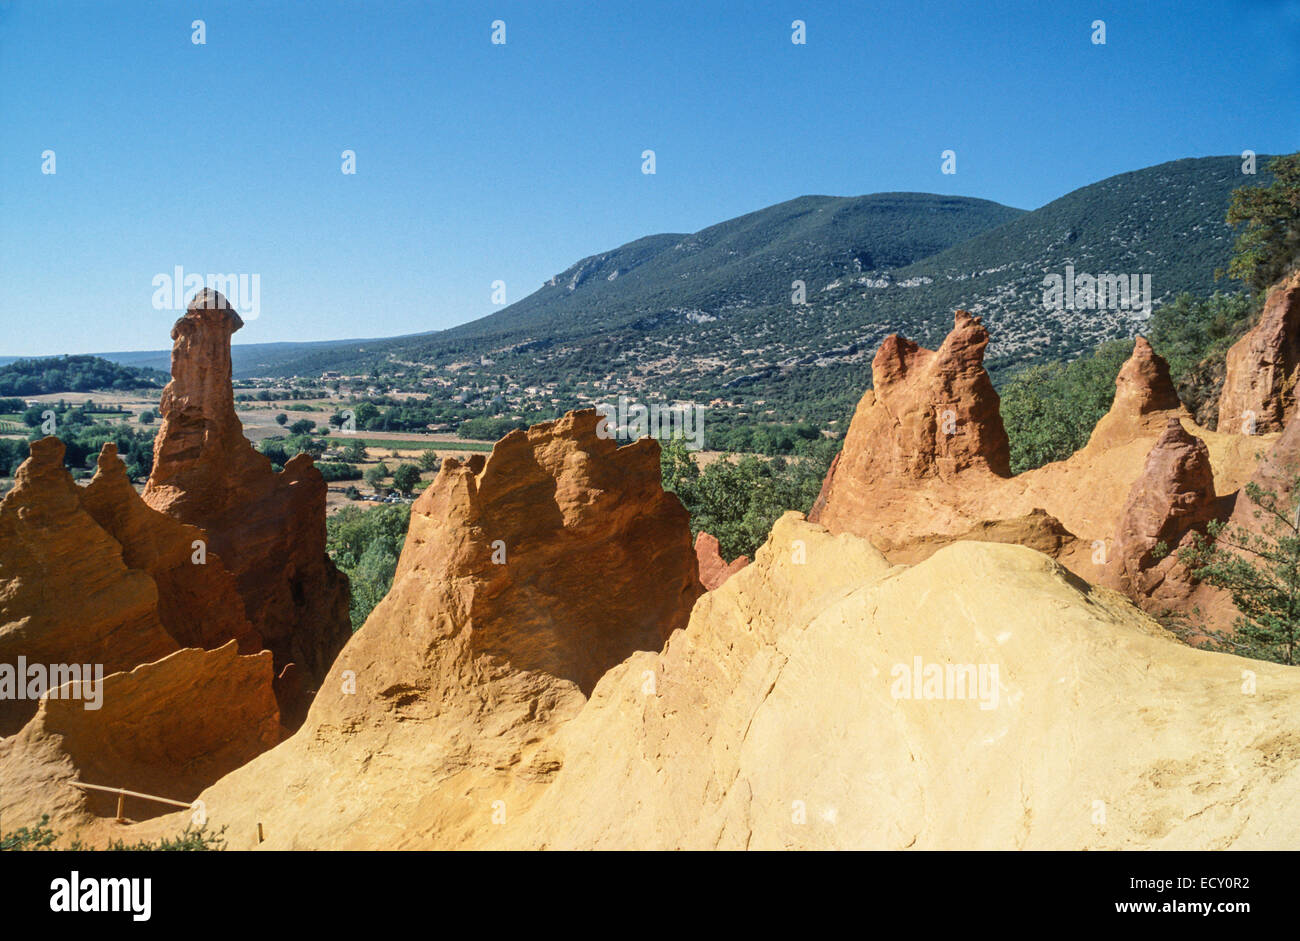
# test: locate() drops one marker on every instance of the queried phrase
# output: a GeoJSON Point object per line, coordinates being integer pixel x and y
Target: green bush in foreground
{"type": "Point", "coordinates": [1262, 573]}
{"type": "Point", "coordinates": [42, 837]}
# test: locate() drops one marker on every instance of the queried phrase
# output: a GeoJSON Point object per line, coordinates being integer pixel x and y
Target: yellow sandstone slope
{"type": "Point", "coordinates": [773, 720]}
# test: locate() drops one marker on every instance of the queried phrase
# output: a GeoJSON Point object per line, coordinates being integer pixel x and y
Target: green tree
{"type": "Point", "coordinates": [376, 475]}
{"type": "Point", "coordinates": [737, 499]}
{"type": "Point", "coordinates": [281, 419]}
{"type": "Point", "coordinates": [1050, 410]}
{"type": "Point", "coordinates": [429, 460]}
{"type": "Point", "coordinates": [366, 545]}
{"type": "Point", "coordinates": [406, 477]}
{"type": "Point", "coordinates": [1269, 245]}
{"type": "Point", "coordinates": [1261, 570]}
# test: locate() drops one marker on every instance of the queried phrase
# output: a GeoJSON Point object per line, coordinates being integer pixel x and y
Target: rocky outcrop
{"type": "Point", "coordinates": [931, 419]}
{"type": "Point", "coordinates": [820, 699]}
{"type": "Point", "coordinates": [732, 747]}
{"type": "Point", "coordinates": [167, 728]}
{"type": "Point", "coordinates": [1279, 461]}
{"type": "Point", "coordinates": [930, 415]}
{"type": "Point", "coordinates": [95, 585]}
{"type": "Point", "coordinates": [1070, 509]}
{"type": "Point", "coordinates": [66, 593]}
{"type": "Point", "coordinates": [1037, 530]}
{"type": "Point", "coordinates": [1275, 474]}
{"type": "Point", "coordinates": [198, 602]}
{"type": "Point", "coordinates": [1173, 499]}
{"type": "Point", "coordinates": [1263, 366]}
{"type": "Point", "coordinates": [1145, 399]}
{"type": "Point", "coordinates": [268, 527]}
{"type": "Point", "coordinates": [524, 578]}
{"type": "Point", "coordinates": [714, 570]}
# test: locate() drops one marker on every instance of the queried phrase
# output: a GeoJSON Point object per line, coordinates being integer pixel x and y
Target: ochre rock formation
{"type": "Point", "coordinates": [198, 602]}
{"type": "Point", "coordinates": [821, 698]}
{"type": "Point", "coordinates": [910, 508]}
{"type": "Point", "coordinates": [268, 527]}
{"type": "Point", "coordinates": [1278, 466]}
{"type": "Point", "coordinates": [66, 594]}
{"type": "Point", "coordinates": [524, 578]}
{"type": "Point", "coordinates": [1145, 400]}
{"type": "Point", "coordinates": [91, 579]}
{"type": "Point", "coordinates": [167, 728]}
{"type": "Point", "coordinates": [931, 415]}
{"type": "Point", "coordinates": [1037, 529]}
{"type": "Point", "coordinates": [1172, 499]}
{"type": "Point", "coordinates": [714, 570]}
{"type": "Point", "coordinates": [1262, 367]}
{"type": "Point", "coordinates": [776, 719]}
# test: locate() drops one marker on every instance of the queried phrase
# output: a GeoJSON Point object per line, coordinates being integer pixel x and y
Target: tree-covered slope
{"type": "Point", "coordinates": [710, 316]}
{"type": "Point", "coordinates": [73, 374]}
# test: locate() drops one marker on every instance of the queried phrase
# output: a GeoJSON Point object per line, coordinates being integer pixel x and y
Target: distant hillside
{"type": "Point", "coordinates": [663, 283]}
{"type": "Point", "coordinates": [1166, 221]}
{"type": "Point", "coordinates": [73, 374]}
{"type": "Point", "coordinates": [709, 316]}
{"type": "Point", "coordinates": [247, 359]}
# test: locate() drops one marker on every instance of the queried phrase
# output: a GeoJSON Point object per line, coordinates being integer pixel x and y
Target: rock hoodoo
{"type": "Point", "coordinates": [714, 570]}
{"type": "Point", "coordinates": [1145, 398]}
{"type": "Point", "coordinates": [1070, 509]}
{"type": "Point", "coordinates": [267, 526]}
{"type": "Point", "coordinates": [931, 416]}
{"type": "Point", "coordinates": [1173, 498]}
{"type": "Point", "coordinates": [1259, 393]}
{"type": "Point", "coordinates": [198, 602]}
{"type": "Point", "coordinates": [95, 585]}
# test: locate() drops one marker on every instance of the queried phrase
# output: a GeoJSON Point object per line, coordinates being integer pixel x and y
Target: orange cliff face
{"type": "Point", "coordinates": [198, 601]}
{"type": "Point", "coordinates": [93, 581]}
{"type": "Point", "coordinates": [1171, 501]}
{"type": "Point", "coordinates": [67, 595]}
{"type": "Point", "coordinates": [931, 415]}
{"type": "Point", "coordinates": [1263, 366]}
{"type": "Point", "coordinates": [269, 527]}
{"type": "Point", "coordinates": [524, 578]}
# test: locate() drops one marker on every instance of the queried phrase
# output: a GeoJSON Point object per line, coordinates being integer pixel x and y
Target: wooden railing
{"type": "Point", "coordinates": [122, 794]}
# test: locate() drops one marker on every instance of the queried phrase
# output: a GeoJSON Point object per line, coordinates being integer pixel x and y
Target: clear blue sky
{"type": "Point", "coordinates": [478, 162]}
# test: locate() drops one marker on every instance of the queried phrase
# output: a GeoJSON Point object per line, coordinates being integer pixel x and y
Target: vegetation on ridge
{"type": "Point", "coordinates": [74, 374]}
